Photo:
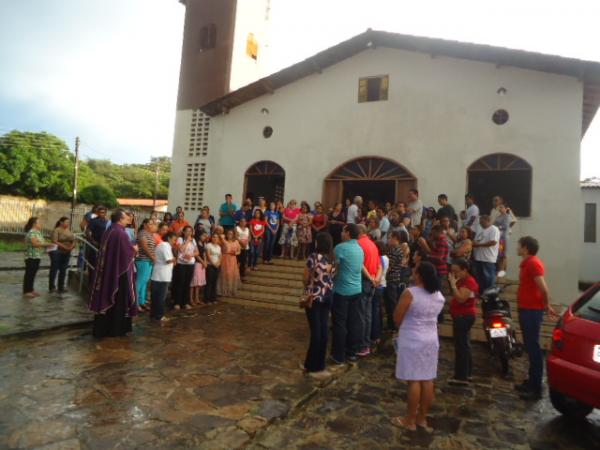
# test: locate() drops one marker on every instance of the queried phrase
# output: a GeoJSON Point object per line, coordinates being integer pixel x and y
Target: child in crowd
{"type": "Point", "coordinates": [213, 259]}
{"type": "Point", "coordinates": [162, 273]}
{"type": "Point", "coordinates": [258, 226]}
{"type": "Point", "coordinates": [186, 251]}
{"type": "Point", "coordinates": [199, 278]}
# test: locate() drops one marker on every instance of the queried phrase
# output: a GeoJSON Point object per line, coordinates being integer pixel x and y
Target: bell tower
{"type": "Point", "coordinates": [225, 47]}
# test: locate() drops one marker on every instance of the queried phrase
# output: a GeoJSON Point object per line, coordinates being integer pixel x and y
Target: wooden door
{"type": "Point", "coordinates": [332, 193]}
{"type": "Point", "coordinates": [402, 188]}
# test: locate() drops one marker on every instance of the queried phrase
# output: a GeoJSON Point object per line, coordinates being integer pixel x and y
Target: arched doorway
{"type": "Point", "coordinates": [264, 179]}
{"type": "Point", "coordinates": [501, 174]}
{"type": "Point", "coordinates": [373, 178]}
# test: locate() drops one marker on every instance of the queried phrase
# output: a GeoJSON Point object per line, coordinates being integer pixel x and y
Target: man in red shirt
{"type": "Point", "coordinates": [533, 299]}
{"type": "Point", "coordinates": [179, 223]}
{"type": "Point", "coordinates": [371, 274]}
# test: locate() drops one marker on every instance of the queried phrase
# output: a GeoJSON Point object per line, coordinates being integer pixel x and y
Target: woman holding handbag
{"type": "Point", "coordinates": [318, 284]}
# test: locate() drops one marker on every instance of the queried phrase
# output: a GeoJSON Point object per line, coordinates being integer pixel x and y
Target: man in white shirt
{"type": "Point", "coordinates": [353, 215]}
{"type": "Point", "coordinates": [415, 207]}
{"type": "Point", "coordinates": [472, 214]}
{"type": "Point", "coordinates": [162, 273]}
{"type": "Point", "coordinates": [485, 253]}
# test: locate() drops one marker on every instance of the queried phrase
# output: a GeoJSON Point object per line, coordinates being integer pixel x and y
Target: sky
{"type": "Point", "coordinates": [107, 70]}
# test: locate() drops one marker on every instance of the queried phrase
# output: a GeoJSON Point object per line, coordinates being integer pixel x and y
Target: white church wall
{"type": "Point", "coordinates": [436, 122]}
{"type": "Point", "coordinates": [589, 270]}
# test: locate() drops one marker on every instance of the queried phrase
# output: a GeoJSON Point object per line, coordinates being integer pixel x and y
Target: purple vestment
{"type": "Point", "coordinates": [115, 260]}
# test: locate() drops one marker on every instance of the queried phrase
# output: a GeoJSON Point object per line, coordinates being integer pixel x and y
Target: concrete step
{"type": "Point", "coordinates": [288, 262]}
{"type": "Point", "coordinates": [274, 275]}
{"type": "Point", "coordinates": [268, 297]}
{"type": "Point", "coordinates": [281, 290]}
{"type": "Point", "coordinates": [281, 269]}
{"type": "Point", "coordinates": [259, 304]}
{"type": "Point", "coordinates": [269, 281]}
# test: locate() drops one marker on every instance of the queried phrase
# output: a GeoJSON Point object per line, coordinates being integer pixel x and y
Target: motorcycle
{"type": "Point", "coordinates": [498, 327]}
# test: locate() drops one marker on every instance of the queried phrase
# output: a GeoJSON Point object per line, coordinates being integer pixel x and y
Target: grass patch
{"type": "Point", "coordinates": [12, 246]}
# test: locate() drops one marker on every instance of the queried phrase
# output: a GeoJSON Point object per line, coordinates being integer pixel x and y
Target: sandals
{"type": "Point", "coordinates": [398, 422]}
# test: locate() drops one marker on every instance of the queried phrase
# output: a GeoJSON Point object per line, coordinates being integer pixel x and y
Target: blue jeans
{"type": "Point", "coordinates": [485, 274]}
{"type": "Point", "coordinates": [365, 314]}
{"type": "Point", "coordinates": [531, 324]}
{"type": "Point", "coordinates": [143, 272]}
{"type": "Point", "coordinates": [59, 263]}
{"type": "Point", "coordinates": [345, 326]}
{"type": "Point", "coordinates": [255, 250]}
{"type": "Point", "coordinates": [270, 244]}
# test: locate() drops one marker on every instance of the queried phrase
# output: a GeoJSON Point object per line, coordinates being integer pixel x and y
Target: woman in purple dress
{"type": "Point", "coordinates": [113, 296]}
{"type": "Point", "coordinates": [418, 344]}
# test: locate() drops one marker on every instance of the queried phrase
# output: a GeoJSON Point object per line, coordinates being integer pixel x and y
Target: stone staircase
{"type": "Point", "coordinates": [279, 286]}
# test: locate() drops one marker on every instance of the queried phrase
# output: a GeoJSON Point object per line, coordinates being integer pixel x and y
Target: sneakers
{"type": "Point", "coordinates": [364, 352]}
{"type": "Point", "coordinates": [334, 362]}
{"type": "Point", "coordinates": [351, 359]}
{"type": "Point", "coordinates": [322, 375]}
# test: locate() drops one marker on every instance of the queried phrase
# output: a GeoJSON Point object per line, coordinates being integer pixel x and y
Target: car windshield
{"type": "Point", "coordinates": [589, 307]}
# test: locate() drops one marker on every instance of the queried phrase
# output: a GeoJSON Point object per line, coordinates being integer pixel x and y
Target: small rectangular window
{"type": "Point", "coordinates": [252, 46]}
{"type": "Point", "coordinates": [589, 227]}
{"type": "Point", "coordinates": [373, 89]}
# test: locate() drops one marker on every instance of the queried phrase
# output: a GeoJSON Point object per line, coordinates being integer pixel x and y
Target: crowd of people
{"type": "Point", "coordinates": [370, 269]}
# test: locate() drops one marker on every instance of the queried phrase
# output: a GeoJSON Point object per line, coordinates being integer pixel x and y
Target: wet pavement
{"type": "Point", "coordinates": [228, 377]}
{"type": "Point", "coordinates": [19, 315]}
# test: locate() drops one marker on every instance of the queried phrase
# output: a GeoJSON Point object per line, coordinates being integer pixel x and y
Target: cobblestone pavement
{"type": "Point", "coordinates": [227, 377]}
{"type": "Point", "coordinates": [19, 315]}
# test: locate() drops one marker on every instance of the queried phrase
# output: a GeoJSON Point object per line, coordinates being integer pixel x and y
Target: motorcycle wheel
{"type": "Point", "coordinates": [501, 350]}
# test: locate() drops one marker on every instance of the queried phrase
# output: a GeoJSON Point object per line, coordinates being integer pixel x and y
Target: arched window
{"type": "Point", "coordinates": [208, 36]}
{"type": "Point", "coordinates": [264, 179]}
{"type": "Point", "coordinates": [501, 174]}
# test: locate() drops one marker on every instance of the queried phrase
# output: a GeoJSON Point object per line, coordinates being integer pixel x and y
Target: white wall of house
{"type": "Point", "coordinates": [589, 269]}
{"type": "Point", "coordinates": [436, 122]}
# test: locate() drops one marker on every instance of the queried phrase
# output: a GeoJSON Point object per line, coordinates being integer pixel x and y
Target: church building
{"type": "Point", "coordinates": [379, 114]}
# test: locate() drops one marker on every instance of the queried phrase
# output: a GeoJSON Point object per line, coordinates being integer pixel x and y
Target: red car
{"type": "Point", "coordinates": [574, 362]}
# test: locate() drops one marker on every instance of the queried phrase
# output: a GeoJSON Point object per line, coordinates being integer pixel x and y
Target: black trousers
{"type": "Point", "coordinates": [376, 319]}
{"type": "Point", "coordinates": [59, 263]}
{"type": "Point", "coordinates": [391, 296]}
{"type": "Point", "coordinates": [159, 295]}
{"type": "Point", "coordinates": [210, 290]}
{"type": "Point", "coordinates": [463, 361]}
{"type": "Point", "coordinates": [242, 259]}
{"type": "Point", "coordinates": [346, 326]}
{"type": "Point", "coordinates": [182, 278]}
{"type": "Point", "coordinates": [318, 322]}
{"type": "Point", "coordinates": [31, 267]}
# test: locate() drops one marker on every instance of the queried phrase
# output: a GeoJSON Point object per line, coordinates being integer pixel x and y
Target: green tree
{"type": "Point", "coordinates": [35, 165]}
{"type": "Point", "coordinates": [98, 194]}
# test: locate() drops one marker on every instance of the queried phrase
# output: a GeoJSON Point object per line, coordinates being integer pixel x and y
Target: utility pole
{"type": "Point", "coordinates": [75, 176]}
{"type": "Point", "coordinates": [156, 173]}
